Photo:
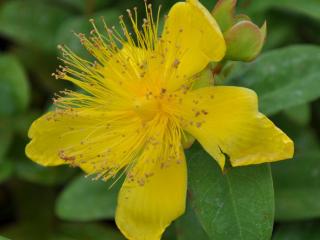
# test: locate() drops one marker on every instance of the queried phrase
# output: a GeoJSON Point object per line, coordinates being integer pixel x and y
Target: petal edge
{"type": "Point", "coordinates": [233, 126]}
{"type": "Point", "coordinates": [143, 212]}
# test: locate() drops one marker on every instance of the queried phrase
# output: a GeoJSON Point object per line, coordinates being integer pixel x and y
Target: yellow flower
{"type": "Point", "coordinates": [138, 104]}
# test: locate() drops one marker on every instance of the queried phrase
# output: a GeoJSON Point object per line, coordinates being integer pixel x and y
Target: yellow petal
{"type": "Point", "coordinates": [83, 138]}
{"type": "Point", "coordinates": [191, 38]}
{"type": "Point", "coordinates": [144, 211]}
{"type": "Point", "coordinates": [47, 139]}
{"type": "Point", "coordinates": [226, 120]}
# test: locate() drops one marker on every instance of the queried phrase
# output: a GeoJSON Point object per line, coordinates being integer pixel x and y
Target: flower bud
{"type": "Point", "coordinates": [244, 39]}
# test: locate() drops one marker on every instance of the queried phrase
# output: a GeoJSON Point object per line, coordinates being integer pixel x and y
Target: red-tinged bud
{"type": "Point", "coordinates": [223, 12]}
{"type": "Point", "coordinates": [244, 39]}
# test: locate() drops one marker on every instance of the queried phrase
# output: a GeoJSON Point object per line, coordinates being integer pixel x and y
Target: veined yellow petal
{"type": "Point", "coordinates": [225, 120]}
{"type": "Point", "coordinates": [144, 211]}
{"type": "Point", "coordinates": [49, 137]}
{"type": "Point", "coordinates": [95, 141]}
{"type": "Point", "coordinates": [191, 38]}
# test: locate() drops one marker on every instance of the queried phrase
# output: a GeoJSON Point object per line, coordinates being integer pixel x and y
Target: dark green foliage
{"type": "Point", "coordinates": [235, 204]}
{"type": "Point", "coordinates": [86, 200]}
{"type": "Point", "coordinates": [282, 78]}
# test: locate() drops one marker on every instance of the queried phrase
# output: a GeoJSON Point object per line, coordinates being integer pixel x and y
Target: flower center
{"type": "Point", "coordinates": [146, 108]}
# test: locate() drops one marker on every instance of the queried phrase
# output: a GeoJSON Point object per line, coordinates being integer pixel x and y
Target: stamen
{"type": "Point", "coordinates": [125, 96]}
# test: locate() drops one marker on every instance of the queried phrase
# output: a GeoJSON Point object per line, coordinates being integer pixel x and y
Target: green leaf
{"type": "Point", "coordinates": [309, 8]}
{"type": "Point", "coordinates": [24, 231]}
{"type": "Point", "coordinates": [6, 170]}
{"type": "Point", "coordinates": [304, 116]}
{"type": "Point", "coordinates": [85, 6]}
{"type": "Point", "coordinates": [32, 23]}
{"type": "Point", "coordinates": [282, 78]}
{"type": "Point", "coordinates": [188, 226]}
{"type": "Point", "coordinates": [82, 25]}
{"type": "Point", "coordinates": [34, 219]}
{"type": "Point", "coordinates": [281, 31]}
{"type": "Point", "coordinates": [85, 200]}
{"type": "Point", "coordinates": [170, 233]}
{"type": "Point", "coordinates": [14, 87]}
{"type": "Point", "coordinates": [209, 4]}
{"type": "Point", "coordinates": [3, 238]}
{"type": "Point", "coordinates": [6, 137]}
{"type": "Point", "coordinates": [297, 187]}
{"type": "Point", "coordinates": [22, 122]}
{"type": "Point", "coordinates": [235, 204]}
{"type": "Point", "coordinates": [50, 176]}
{"type": "Point", "coordinates": [40, 66]}
{"type": "Point", "coordinates": [86, 232]}
{"type": "Point", "coordinates": [298, 231]}
{"type": "Point", "coordinates": [297, 181]}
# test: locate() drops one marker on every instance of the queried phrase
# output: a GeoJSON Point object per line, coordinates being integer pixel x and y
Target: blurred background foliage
{"type": "Point", "coordinates": [60, 204]}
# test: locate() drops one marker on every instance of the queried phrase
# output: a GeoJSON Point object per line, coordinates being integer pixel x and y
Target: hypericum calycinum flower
{"type": "Point", "coordinates": [137, 106]}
